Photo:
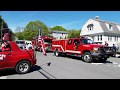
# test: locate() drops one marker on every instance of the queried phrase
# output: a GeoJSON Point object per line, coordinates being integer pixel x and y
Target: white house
{"type": "Point", "coordinates": [59, 34]}
{"type": "Point", "coordinates": [101, 31]}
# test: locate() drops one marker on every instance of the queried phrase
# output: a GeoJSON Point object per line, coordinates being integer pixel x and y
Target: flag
{"type": "Point", "coordinates": [40, 39]}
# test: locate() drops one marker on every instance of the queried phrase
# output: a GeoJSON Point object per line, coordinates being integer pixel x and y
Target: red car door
{"type": "Point", "coordinates": [5, 58]}
{"type": "Point", "coordinates": [69, 46]}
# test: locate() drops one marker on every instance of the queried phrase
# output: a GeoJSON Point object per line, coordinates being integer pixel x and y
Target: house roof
{"type": "Point", "coordinates": [60, 32]}
{"type": "Point", "coordinates": [103, 23]}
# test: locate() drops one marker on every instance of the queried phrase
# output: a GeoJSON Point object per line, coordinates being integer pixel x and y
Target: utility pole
{"type": "Point", "coordinates": [40, 32]}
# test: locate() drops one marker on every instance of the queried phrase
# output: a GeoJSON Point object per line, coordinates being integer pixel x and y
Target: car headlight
{"type": "Point", "coordinates": [95, 49]}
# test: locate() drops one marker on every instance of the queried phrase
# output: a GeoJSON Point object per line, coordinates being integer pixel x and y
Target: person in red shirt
{"type": "Point", "coordinates": [5, 46]}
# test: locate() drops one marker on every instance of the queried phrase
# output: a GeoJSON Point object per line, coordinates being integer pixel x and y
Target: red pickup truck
{"type": "Point", "coordinates": [20, 60]}
{"type": "Point", "coordinates": [82, 47]}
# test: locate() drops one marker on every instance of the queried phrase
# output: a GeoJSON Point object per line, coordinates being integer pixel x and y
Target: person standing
{"type": "Point", "coordinates": [115, 49]}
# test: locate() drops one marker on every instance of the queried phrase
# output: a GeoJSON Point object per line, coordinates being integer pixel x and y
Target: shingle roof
{"type": "Point", "coordinates": [115, 29]}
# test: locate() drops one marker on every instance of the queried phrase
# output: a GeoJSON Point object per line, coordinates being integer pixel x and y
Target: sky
{"type": "Point", "coordinates": [67, 19]}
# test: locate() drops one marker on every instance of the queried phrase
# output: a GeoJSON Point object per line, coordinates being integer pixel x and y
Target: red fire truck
{"type": "Point", "coordinates": [47, 42]}
{"type": "Point", "coordinates": [82, 47]}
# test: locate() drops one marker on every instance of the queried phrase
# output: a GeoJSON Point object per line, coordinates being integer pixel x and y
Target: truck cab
{"type": "Point", "coordinates": [16, 58]}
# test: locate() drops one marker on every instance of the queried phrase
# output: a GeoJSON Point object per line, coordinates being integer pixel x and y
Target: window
{"type": "Point", "coordinates": [108, 38]}
{"type": "Point", "coordinates": [70, 41]}
{"type": "Point", "coordinates": [110, 26]}
{"type": "Point", "coordinates": [98, 37]}
{"type": "Point", "coordinates": [90, 26]}
{"type": "Point", "coordinates": [101, 37]}
{"type": "Point", "coordinates": [76, 42]}
{"type": "Point", "coordinates": [87, 41]}
{"type": "Point", "coordinates": [115, 38]}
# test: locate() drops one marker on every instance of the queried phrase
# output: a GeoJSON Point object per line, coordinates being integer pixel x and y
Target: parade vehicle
{"type": "Point", "coordinates": [47, 43]}
{"type": "Point", "coordinates": [83, 47]}
{"type": "Point", "coordinates": [16, 58]}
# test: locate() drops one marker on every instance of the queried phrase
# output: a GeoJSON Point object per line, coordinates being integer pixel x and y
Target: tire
{"type": "Point", "coordinates": [103, 60]}
{"type": "Point", "coordinates": [23, 67]}
{"type": "Point", "coordinates": [56, 53]}
{"type": "Point", "coordinates": [87, 57]}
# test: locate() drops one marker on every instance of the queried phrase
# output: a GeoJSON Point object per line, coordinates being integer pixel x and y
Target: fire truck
{"type": "Point", "coordinates": [83, 47]}
{"type": "Point", "coordinates": [47, 42]}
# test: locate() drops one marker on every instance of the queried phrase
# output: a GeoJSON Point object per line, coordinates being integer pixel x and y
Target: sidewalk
{"type": "Point", "coordinates": [3, 77]}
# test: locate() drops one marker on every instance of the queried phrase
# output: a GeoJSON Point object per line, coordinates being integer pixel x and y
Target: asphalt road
{"type": "Point", "coordinates": [69, 67]}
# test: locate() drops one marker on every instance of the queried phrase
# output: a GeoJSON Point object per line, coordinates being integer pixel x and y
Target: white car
{"type": "Point", "coordinates": [21, 43]}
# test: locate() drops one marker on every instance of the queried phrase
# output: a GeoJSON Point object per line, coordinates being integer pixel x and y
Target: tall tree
{"type": "Point", "coordinates": [58, 28]}
{"type": "Point", "coordinates": [74, 33]}
{"type": "Point", "coordinates": [32, 29]}
{"type": "Point", "coordinates": [3, 27]}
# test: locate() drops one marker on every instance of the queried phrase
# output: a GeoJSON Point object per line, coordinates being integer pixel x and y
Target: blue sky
{"type": "Point", "coordinates": [67, 19]}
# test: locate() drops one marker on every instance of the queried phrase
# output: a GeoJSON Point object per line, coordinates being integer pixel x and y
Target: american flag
{"type": "Point", "coordinates": [40, 39]}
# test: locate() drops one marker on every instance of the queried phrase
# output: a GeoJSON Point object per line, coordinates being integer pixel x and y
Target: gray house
{"type": "Point", "coordinates": [101, 31]}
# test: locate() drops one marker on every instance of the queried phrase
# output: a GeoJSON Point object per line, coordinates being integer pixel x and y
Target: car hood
{"type": "Point", "coordinates": [94, 45]}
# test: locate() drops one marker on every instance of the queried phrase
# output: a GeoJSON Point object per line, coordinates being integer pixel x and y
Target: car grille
{"type": "Point", "coordinates": [105, 49]}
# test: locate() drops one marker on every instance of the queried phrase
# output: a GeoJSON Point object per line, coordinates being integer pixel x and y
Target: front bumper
{"type": "Point", "coordinates": [98, 56]}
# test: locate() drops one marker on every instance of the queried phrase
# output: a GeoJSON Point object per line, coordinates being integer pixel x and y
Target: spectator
{"type": "Point", "coordinates": [115, 49]}
{"type": "Point", "coordinates": [28, 46]}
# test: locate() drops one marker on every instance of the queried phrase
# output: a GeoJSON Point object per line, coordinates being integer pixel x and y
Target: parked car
{"type": "Point", "coordinates": [20, 60]}
{"type": "Point", "coordinates": [21, 44]}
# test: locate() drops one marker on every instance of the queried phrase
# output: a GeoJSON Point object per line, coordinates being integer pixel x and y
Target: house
{"type": "Point", "coordinates": [101, 31]}
{"type": "Point", "coordinates": [59, 34]}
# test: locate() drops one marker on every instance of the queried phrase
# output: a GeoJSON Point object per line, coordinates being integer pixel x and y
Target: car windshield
{"type": "Point", "coordinates": [87, 41]}
{"type": "Point", "coordinates": [20, 42]}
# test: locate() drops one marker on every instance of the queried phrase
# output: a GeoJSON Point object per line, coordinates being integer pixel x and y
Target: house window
{"type": "Point", "coordinates": [101, 37]}
{"type": "Point", "coordinates": [108, 38]}
{"type": "Point", "coordinates": [90, 26]}
{"type": "Point", "coordinates": [110, 26]}
{"type": "Point", "coordinates": [115, 38]}
{"type": "Point", "coordinates": [98, 37]}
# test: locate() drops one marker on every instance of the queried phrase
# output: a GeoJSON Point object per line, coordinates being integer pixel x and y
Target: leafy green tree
{"type": "Point", "coordinates": [4, 26]}
{"type": "Point", "coordinates": [74, 33]}
{"type": "Point", "coordinates": [58, 28]}
{"type": "Point", "coordinates": [20, 35]}
{"type": "Point", "coordinates": [32, 29]}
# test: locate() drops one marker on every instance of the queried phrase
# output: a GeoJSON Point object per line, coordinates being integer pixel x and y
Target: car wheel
{"type": "Point", "coordinates": [56, 53]}
{"type": "Point", "coordinates": [23, 67]}
{"type": "Point", "coordinates": [87, 57]}
{"type": "Point", "coordinates": [103, 60]}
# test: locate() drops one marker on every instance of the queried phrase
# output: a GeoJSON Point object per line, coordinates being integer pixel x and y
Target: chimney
{"type": "Point", "coordinates": [97, 17]}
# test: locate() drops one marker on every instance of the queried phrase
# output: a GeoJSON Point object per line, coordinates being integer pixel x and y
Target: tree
{"type": "Point", "coordinates": [74, 33]}
{"type": "Point", "coordinates": [4, 26]}
{"type": "Point", "coordinates": [20, 35]}
{"type": "Point", "coordinates": [58, 28]}
{"type": "Point", "coordinates": [32, 29]}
